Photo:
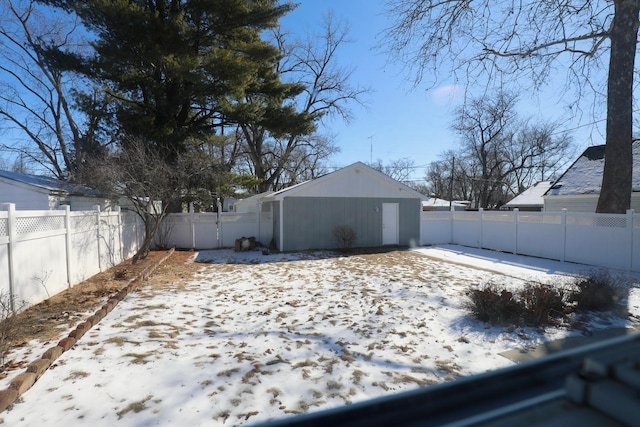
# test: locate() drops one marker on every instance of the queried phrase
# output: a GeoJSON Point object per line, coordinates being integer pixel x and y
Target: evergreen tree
{"type": "Point", "coordinates": [173, 66]}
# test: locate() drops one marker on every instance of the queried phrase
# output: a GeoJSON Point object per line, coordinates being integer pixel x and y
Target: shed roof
{"type": "Point", "coordinates": [584, 176]}
{"type": "Point", "coordinates": [355, 180]}
{"type": "Point", "coordinates": [531, 197]}
{"type": "Point", "coordinates": [50, 184]}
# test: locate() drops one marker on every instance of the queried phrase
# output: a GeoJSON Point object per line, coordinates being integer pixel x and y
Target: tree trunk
{"type": "Point", "coordinates": [615, 194]}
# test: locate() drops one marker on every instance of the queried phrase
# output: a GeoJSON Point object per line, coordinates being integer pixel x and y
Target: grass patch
{"type": "Point", "coordinates": [135, 407]}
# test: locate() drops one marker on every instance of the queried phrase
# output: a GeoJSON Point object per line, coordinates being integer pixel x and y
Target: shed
{"type": "Point", "coordinates": [530, 199]}
{"type": "Point", "coordinates": [381, 210]}
{"type": "Point", "coordinates": [578, 189]}
{"type": "Point", "coordinates": [34, 192]}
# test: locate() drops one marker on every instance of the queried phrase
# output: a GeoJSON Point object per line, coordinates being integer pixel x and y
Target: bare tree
{"type": "Point", "coordinates": [517, 41]}
{"type": "Point", "coordinates": [399, 169]}
{"type": "Point", "coordinates": [35, 97]}
{"type": "Point", "coordinates": [326, 91]}
{"type": "Point", "coordinates": [500, 154]}
{"type": "Point", "coordinates": [144, 179]}
{"type": "Point", "coordinates": [484, 128]}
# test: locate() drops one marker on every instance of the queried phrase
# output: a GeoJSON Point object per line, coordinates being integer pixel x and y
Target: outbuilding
{"type": "Point", "coordinates": [34, 192]}
{"type": "Point", "coordinates": [380, 210]}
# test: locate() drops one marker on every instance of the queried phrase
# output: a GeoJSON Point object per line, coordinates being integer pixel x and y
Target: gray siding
{"type": "Point", "coordinates": [309, 221]}
{"type": "Point", "coordinates": [275, 218]}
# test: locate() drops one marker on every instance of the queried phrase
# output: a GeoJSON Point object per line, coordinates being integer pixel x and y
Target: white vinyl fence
{"type": "Point", "coordinates": [44, 252]}
{"type": "Point", "coordinates": [603, 240]}
{"type": "Point", "coordinates": [209, 230]}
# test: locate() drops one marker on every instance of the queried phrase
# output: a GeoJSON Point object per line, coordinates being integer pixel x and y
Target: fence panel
{"type": "Point", "coordinates": [236, 225]}
{"type": "Point", "coordinates": [44, 252]}
{"type": "Point", "coordinates": [179, 231]}
{"type": "Point", "coordinates": [132, 234]}
{"type": "Point", "coordinates": [39, 255]}
{"type": "Point", "coordinates": [206, 231]}
{"type": "Point", "coordinates": [84, 250]}
{"type": "Point", "coordinates": [540, 235]}
{"type": "Point", "coordinates": [436, 228]}
{"type": "Point", "coordinates": [467, 230]}
{"type": "Point", "coordinates": [597, 239]}
{"type": "Point", "coordinates": [603, 240]}
{"type": "Point", "coordinates": [499, 231]}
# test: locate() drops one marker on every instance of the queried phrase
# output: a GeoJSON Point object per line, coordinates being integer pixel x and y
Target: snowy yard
{"type": "Point", "coordinates": [254, 337]}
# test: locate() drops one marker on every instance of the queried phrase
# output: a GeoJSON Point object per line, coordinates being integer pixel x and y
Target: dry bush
{"type": "Point", "coordinates": [494, 304]}
{"type": "Point", "coordinates": [535, 305]}
{"type": "Point", "coordinates": [599, 291]}
{"type": "Point", "coordinates": [541, 303]}
{"type": "Point", "coordinates": [9, 325]}
{"type": "Point", "coordinates": [345, 236]}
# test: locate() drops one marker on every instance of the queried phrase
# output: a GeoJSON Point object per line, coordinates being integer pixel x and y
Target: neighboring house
{"type": "Point", "coordinates": [249, 204]}
{"type": "Point", "coordinates": [435, 204]}
{"type": "Point", "coordinates": [531, 199]}
{"type": "Point", "coordinates": [33, 192]}
{"type": "Point", "coordinates": [381, 210]}
{"type": "Point", "coordinates": [578, 189]}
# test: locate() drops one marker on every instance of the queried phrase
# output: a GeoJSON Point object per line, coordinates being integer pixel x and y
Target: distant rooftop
{"type": "Point", "coordinates": [584, 176]}
{"type": "Point", "coordinates": [50, 184]}
{"type": "Point", "coordinates": [531, 197]}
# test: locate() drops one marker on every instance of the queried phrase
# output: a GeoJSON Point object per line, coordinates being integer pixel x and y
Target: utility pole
{"type": "Point", "coordinates": [371, 149]}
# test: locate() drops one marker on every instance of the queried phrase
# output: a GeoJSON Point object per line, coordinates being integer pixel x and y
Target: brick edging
{"type": "Point", "coordinates": [23, 382]}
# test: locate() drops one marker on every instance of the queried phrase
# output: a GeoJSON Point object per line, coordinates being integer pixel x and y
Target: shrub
{"type": "Point", "coordinates": [9, 324]}
{"type": "Point", "coordinates": [494, 305]}
{"type": "Point", "coordinates": [540, 303]}
{"type": "Point", "coordinates": [345, 236]}
{"type": "Point", "coordinates": [599, 291]}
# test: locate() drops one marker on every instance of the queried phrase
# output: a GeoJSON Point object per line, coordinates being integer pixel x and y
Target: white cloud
{"type": "Point", "coordinates": [447, 95]}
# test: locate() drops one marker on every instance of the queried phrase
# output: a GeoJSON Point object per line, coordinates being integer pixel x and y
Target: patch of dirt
{"type": "Point", "coordinates": [49, 319]}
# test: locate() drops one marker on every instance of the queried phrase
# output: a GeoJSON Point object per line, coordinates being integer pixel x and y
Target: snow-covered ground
{"type": "Point", "coordinates": [254, 337]}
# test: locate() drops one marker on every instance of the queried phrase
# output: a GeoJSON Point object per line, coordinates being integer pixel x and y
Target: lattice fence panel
{"type": "Point", "coordinates": [598, 221]}
{"type": "Point", "coordinates": [4, 227]}
{"type": "Point", "coordinates": [26, 225]}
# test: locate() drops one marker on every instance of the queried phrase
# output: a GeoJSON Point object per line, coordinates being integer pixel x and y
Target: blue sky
{"type": "Point", "coordinates": [402, 121]}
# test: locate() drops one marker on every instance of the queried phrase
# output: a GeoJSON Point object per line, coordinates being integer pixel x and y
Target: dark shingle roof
{"type": "Point", "coordinates": [584, 176]}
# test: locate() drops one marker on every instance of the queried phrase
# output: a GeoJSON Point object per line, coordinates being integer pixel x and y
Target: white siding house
{"type": "Point", "coordinates": [32, 192]}
{"type": "Point", "coordinates": [578, 189]}
{"type": "Point", "coordinates": [530, 199]}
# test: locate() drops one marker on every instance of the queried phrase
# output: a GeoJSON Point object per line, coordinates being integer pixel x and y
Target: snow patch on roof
{"type": "Point", "coordinates": [531, 196]}
{"type": "Point", "coordinates": [585, 175]}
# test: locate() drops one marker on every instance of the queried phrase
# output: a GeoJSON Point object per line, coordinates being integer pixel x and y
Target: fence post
{"type": "Point", "coordinates": [480, 211]}
{"type": "Point", "coordinates": [11, 226]}
{"type": "Point", "coordinates": [67, 236]}
{"type": "Point", "coordinates": [452, 217]}
{"type": "Point", "coordinates": [563, 222]}
{"type": "Point", "coordinates": [99, 235]}
{"type": "Point", "coordinates": [516, 212]}
{"type": "Point", "coordinates": [630, 237]}
{"type": "Point", "coordinates": [118, 210]}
